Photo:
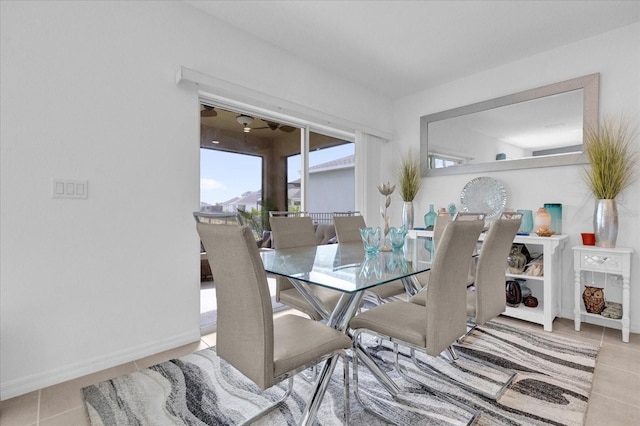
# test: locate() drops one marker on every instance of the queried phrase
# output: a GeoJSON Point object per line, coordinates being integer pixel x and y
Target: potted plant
{"type": "Point", "coordinates": [612, 157]}
{"type": "Point", "coordinates": [409, 182]}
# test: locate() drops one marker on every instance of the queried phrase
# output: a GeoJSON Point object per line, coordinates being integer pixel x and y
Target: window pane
{"type": "Point", "coordinates": [229, 181]}
{"type": "Point", "coordinates": [331, 179]}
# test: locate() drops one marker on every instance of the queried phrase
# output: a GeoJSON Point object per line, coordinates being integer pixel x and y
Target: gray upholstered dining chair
{"type": "Point", "coordinates": [486, 300]}
{"type": "Point", "coordinates": [442, 220]}
{"type": "Point", "coordinates": [437, 325]}
{"type": "Point", "coordinates": [348, 230]}
{"type": "Point", "coordinates": [291, 232]}
{"type": "Point", "coordinates": [264, 349]}
{"type": "Point", "coordinates": [472, 264]}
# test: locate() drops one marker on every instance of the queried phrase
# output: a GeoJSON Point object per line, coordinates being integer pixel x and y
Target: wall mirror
{"type": "Point", "coordinates": [541, 127]}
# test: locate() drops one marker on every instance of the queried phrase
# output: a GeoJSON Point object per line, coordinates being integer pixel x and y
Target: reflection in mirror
{"type": "Point", "coordinates": [537, 128]}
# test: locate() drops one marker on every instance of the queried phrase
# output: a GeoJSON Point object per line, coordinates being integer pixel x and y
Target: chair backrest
{"type": "Point", "coordinates": [348, 228]}
{"type": "Point", "coordinates": [438, 228]}
{"type": "Point", "coordinates": [491, 268]}
{"type": "Point", "coordinates": [224, 218]}
{"type": "Point", "coordinates": [274, 213]}
{"type": "Point", "coordinates": [468, 216]}
{"type": "Point", "coordinates": [245, 316]}
{"type": "Point", "coordinates": [511, 215]}
{"type": "Point", "coordinates": [446, 306]}
{"type": "Point", "coordinates": [347, 213]}
{"type": "Point", "coordinates": [290, 232]}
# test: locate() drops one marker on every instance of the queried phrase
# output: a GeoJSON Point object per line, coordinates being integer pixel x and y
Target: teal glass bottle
{"type": "Point", "coordinates": [430, 218]}
{"type": "Point", "coordinates": [526, 225]}
{"type": "Point", "coordinates": [555, 210]}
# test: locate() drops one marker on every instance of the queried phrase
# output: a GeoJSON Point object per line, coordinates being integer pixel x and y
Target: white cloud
{"type": "Point", "coordinates": [210, 184]}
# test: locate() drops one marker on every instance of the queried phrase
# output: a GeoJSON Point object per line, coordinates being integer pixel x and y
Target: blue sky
{"type": "Point", "coordinates": [225, 175]}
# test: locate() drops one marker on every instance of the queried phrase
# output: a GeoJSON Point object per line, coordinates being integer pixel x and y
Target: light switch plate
{"type": "Point", "coordinates": [69, 188]}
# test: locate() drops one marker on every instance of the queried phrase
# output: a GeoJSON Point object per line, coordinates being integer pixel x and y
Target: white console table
{"type": "Point", "coordinates": [545, 288]}
{"type": "Point", "coordinates": [602, 261]}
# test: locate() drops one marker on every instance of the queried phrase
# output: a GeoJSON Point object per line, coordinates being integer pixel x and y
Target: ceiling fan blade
{"type": "Point", "coordinates": [272, 124]}
{"type": "Point", "coordinates": [287, 129]}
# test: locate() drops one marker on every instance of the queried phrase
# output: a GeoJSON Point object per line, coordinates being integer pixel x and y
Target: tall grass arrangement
{"type": "Point", "coordinates": [613, 158]}
{"type": "Point", "coordinates": [409, 176]}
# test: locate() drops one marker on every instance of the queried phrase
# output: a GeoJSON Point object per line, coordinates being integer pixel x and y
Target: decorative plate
{"type": "Point", "coordinates": [484, 195]}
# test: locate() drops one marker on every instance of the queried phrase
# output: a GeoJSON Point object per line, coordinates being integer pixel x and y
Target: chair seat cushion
{"type": "Point", "coordinates": [292, 297]}
{"type": "Point", "coordinates": [384, 291]}
{"type": "Point", "coordinates": [298, 341]}
{"type": "Point", "coordinates": [400, 320]}
{"type": "Point", "coordinates": [420, 298]}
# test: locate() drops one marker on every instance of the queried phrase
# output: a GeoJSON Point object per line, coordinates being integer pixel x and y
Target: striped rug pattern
{"type": "Point", "coordinates": [552, 386]}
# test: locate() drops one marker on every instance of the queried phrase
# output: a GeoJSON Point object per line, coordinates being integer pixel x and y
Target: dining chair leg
{"type": "Point", "coordinates": [356, 389]}
{"type": "Point", "coordinates": [397, 394]}
{"type": "Point", "coordinates": [474, 413]}
{"type": "Point", "coordinates": [347, 396]}
{"type": "Point", "coordinates": [311, 410]}
{"type": "Point", "coordinates": [312, 376]}
{"type": "Point", "coordinates": [452, 353]}
{"type": "Point", "coordinates": [359, 354]}
{"type": "Point", "coordinates": [380, 375]}
{"type": "Point", "coordinates": [455, 361]}
{"type": "Point", "coordinates": [271, 407]}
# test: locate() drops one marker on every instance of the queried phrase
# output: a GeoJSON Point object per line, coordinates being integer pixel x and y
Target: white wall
{"type": "Point", "coordinates": [88, 92]}
{"type": "Point", "coordinates": [616, 56]}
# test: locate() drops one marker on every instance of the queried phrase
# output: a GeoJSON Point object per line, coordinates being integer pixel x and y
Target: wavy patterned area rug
{"type": "Point", "coordinates": [552, 386]}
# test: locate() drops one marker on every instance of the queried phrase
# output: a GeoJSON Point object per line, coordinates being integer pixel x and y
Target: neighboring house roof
{"type": "Point", "coordinates": [247, 198]}
{"type": "Point", "coordinates": [231, 201]}
{"type": "Point", "coordinates": [339, 163]}
{"type": "Point", "coordinates": [294, 194]}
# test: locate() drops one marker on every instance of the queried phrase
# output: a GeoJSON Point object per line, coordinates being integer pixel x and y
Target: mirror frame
{"type": "Point", "coordinates": [590, 116]}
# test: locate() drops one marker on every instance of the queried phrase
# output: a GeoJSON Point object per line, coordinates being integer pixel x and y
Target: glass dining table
{"type": "Point", "coordinates": [344, 267]}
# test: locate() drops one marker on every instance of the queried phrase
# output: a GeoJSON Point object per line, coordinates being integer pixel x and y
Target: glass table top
{"type": "Point", "coordinates": [343, 267]}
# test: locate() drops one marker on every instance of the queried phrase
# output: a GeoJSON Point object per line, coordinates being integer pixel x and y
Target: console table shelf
{"type": "Point", "coordinates": [545, 288]}
{"type": "Point", "coordinates": [602, 262]}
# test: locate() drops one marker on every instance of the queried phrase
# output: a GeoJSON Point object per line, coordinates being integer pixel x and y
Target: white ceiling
{"type": "Point", "coordinates": [400, 47]}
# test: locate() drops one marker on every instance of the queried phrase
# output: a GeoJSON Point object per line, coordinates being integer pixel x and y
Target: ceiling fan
{"type": "Point", "coordinates": [208, 111]}
{"type": "Point", "coordinates": [246, 121]}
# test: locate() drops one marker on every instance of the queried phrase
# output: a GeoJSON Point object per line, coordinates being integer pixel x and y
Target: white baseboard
{"type": "Point", "coordinates": [61, 374]}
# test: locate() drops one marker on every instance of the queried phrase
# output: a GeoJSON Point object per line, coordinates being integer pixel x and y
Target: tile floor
{"type": "Point", "coordinates": [615, 397]}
